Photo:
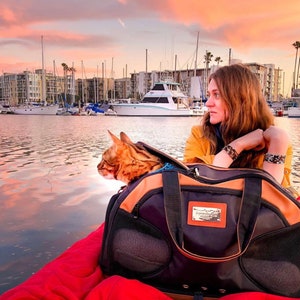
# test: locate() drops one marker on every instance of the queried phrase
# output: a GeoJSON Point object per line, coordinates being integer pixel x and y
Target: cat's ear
{"type": "Point", "coordinates": [124, 138]}
{"type": "Point", "coordinates": [115, 139]}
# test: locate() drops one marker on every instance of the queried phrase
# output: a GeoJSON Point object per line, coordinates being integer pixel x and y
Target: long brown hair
{"type": "Point", "coordinates": [248, 110]}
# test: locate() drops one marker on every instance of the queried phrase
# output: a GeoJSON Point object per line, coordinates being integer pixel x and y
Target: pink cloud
{"type": "Point", "coordinates": [240, 25]}
{"type": "Point", "coordinates": [7, 15]}
{"type": "Point", "coordinates": [236, 24]}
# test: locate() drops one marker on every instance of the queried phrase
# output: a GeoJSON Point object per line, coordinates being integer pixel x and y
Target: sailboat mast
{"type": "Point", "coordinates": [113, 80]}
{"type": "Point", "coordinates": [97, 85]}
{"type": "Point", "coordinates": [175, 68]}
{"type": "Point", "coordinates": [54, 76]}
{"type": "Point", "coordinates": [146, 71]}
{"type": "Point", "coordinates": [196, 60]}
{"type": "Point", "coordinates": [97, 95]}
{"type": "Point", "coordinates": [82, 84]}
{"type": "Point", "coordinates": [43, 72]}
{"type": "Point", "coordinates": [73, 83]}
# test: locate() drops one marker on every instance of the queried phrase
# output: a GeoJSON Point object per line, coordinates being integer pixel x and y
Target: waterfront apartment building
{"type": "Point", "coordinates": [194, 82]}
{"type": "Point", "coordinates": [19, 88]}
{"type": "Point", "coordinates": [96, 89]}
{"type": "Point", "coordinates": [28, 86]}
{"type": "Point", "coordinates": [123, 88]}
{"type": "Point", "coordinates": [270, 79]}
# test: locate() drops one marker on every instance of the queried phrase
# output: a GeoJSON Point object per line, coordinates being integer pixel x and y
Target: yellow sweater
{"type": "Point", "coordinates": [197, 149]}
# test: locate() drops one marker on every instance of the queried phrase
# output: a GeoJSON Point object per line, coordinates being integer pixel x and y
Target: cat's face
{"type": "Point", "coordinates": [111, 157]}
{"type": "Point", "coordinates": [125, 161]}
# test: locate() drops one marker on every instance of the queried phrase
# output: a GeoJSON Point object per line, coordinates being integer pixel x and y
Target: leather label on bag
{"type": "Point", "coordinates": [207, 214]}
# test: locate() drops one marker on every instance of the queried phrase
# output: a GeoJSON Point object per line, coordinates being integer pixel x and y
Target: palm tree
{"type": "Point", "coordinates": [297, 46]}
{"type": "Point", "coordinates": [73, 70]}
{"type": "Point", "coordinates": [67, 69]}
{"type": "Point", "coordinates": [218, 60]}
{"type": "Point", "coordinates": [207, 59]}
{"type": "Point", "coordinates": [297, 77]}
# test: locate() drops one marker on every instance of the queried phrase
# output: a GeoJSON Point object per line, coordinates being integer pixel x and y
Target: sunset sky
{"type": "Point", "coordinates": [116, 33]}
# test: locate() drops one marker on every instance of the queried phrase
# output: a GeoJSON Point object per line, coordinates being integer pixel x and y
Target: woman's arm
{"type": "Point", "coordinates": [251, 140]}
{"type": "Point", "coordinates": [274, 139]}
{"type": "Point", "coordinates": [277, 143]}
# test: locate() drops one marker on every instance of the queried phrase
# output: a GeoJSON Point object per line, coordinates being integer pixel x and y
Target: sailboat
{"type": "Point", "coordinates": [197, 91]}
{"type": "Point", "coordinates": [37, 108]}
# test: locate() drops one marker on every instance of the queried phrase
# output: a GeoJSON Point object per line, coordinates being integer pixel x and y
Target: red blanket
{"type": "Point", "coordinates": [75, 274]}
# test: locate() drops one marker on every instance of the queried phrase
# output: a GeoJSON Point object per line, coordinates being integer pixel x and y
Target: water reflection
{"type": "Point", "coordinates": [50, 192]}
{"type": "Point", "coordinates": [292, 127]}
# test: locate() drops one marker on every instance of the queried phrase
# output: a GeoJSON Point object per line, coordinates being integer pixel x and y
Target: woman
{"type": "Point", "coordinates": [238, 129]}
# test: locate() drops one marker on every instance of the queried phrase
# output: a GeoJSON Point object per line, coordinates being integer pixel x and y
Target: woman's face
{"type": "Point", "coordinates": [215, 104]}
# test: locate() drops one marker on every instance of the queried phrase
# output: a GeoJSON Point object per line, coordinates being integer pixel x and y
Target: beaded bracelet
{"type": "Point", "coordinates": [274, 158]}
{"type": "Point", "coordinates": [231, 152]}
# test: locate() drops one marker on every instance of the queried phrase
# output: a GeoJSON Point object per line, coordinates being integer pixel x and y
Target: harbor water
{"type": "Point", "coordinates": [51, 194]}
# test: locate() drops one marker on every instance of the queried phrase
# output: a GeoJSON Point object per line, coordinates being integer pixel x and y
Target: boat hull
{"type": "Point", "coordinates": [150, 110]}
{"type": "Point", "coordinates": [294, 112]}
{"type": "Point", "coordinates": [36, 110]}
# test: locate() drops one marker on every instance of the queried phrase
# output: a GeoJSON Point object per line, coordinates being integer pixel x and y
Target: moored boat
{"type": "Point", "coordinates": [5, 109]}
{"type": "Point", "coordinates": [279, 112]}
{"type": "Point", "coordinates": [165, 99]}
{"type": "Point", "coordinates": [36, 109]}
{"type": "Point", "coordinates": [93, 109]}
{"type": "Point", "coordinates": [294, 112]}
{"type": "Point", "coordinates": [199, 108]}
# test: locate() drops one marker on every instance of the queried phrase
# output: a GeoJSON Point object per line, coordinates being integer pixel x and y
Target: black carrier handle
{"type": "Point", "coordinates": [250, 206]}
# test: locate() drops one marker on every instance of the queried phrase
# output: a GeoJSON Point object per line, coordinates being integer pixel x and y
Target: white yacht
{"type": "Point", "coordinates": [165, 99]}
{"type": "Point", "coordinates": [293, 112]}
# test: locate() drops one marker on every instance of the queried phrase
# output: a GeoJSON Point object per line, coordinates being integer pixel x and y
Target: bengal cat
{"type": "Point", "coordinates": [126, 161]}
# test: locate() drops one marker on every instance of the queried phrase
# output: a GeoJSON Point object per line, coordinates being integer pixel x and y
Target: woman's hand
{"type": "Point", "coordinates": [274, 139]}
{"type": "Point", "coordinates": [252, 140]}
